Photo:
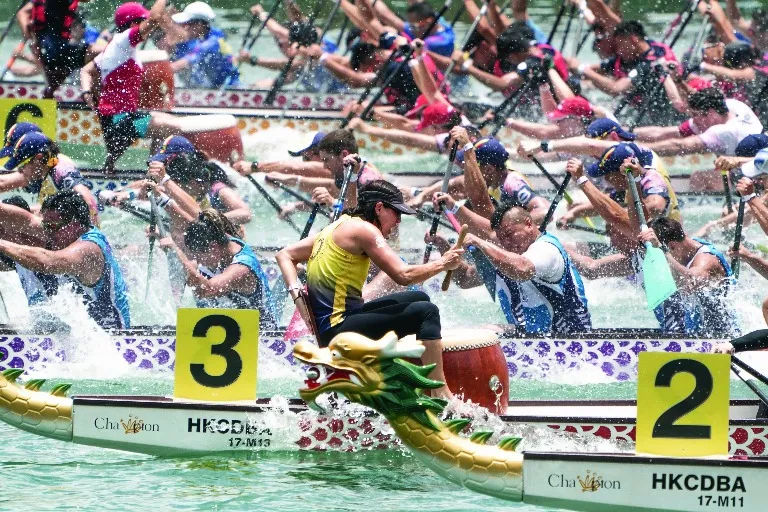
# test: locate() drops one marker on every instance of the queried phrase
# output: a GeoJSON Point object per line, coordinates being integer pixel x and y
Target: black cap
{"type": "Point", "coordinates": [392, 199]}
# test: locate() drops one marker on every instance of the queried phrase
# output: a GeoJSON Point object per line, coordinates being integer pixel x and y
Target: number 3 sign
{"type": "Point", "coordinates": [216, 354]}
{"type": "Point", "coordinates": [682, 404]}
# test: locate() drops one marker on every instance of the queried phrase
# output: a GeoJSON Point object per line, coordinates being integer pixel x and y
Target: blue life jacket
{"type": "Point", "coordinates": [37, 286]}
{"type": "Point", "coordinates": [107, 300]}
{"type": "Point", "coordinates": [260, 299]}
{"type": "Point", "coordinates": [542, 307]}
{"type": "Point", "coordinates": [704, 312]}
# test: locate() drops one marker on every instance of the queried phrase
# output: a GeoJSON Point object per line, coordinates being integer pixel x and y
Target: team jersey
{"type": "Point", "coordinates": [261, 297]}
{"type": "Point", "coordinates": [121, 74]}
{"type": "Point", "coordinates": [704, 312]}
{"type": "Point", "coordinates": [64, 176]}
{"type": "Point", "coordinates": [210, 62]}
{"type": "Point", "coordinates": [107, 300]}
{"type": "Point", "coordinates": [543, 306]}
{"type": "Point", "coordinates": [639, 69]}
{"type": "Point", "coordinates": [441, 42]}
{"type": "Point", "coordinates": [335, 279]}
{"type": "Point", "coordinates": [657, 183]}
{"type": "Point", "coordinates": [54, 16]}
{"type": "Point", "coordinates": [37, 286]}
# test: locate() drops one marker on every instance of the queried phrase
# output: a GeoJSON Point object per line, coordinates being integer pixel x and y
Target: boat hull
{"type": "Point", "coordinates": [163, 426]}
{"type": "Point", "coordinates": [609, 355]}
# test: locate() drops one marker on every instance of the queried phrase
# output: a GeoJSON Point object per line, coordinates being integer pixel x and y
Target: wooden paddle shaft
{"type": "Point", "coordinates": [459, 242]}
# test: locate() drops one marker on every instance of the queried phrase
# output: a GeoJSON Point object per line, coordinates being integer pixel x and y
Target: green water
{"type": "Point", "coordinates": [40, 474]}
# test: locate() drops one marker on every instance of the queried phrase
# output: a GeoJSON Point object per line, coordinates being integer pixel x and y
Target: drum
{"type": "Point", "coordinates": [475, 368]}
{"type": "Point", "coordinates": [157, 88]}
{"type": "Point", "coordinates": [216, 135]}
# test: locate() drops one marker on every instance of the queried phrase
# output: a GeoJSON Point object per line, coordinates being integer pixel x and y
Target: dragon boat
{"type": "Point", "coordinates": [377, 374]}
{"type": "Point", "coordinates": [604, 354]}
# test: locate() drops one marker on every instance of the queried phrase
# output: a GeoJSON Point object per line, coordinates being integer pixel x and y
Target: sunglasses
{"type": "Point", "coordinates": [53, 226]}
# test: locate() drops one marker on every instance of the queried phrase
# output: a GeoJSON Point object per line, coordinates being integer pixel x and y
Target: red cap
{"type": "Point", "coordinates": [421, 103]}
{"type": "Point", "coordinates": [436, 113]}
{"type": "Point", "coordinates": [699, 83]}
{"type": "Point", "coordinates": [130, 12]}
{"type": "Point", "coordinates": [572, 107]}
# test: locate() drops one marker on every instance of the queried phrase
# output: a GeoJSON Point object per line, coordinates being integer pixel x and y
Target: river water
{"type": "Point", "coordinates": [40, 474]}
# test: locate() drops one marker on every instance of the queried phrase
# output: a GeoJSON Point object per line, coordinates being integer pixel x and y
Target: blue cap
{"type": "Point", "coordinates": [751, 145]}
{"type": "Point", "coordinates": [175, 145]}
{"type": "Point", "coordinates": [315, 141]}
{"type": "Point", "coordinates": [603, 127]}
{"type": "Point", "coordinates": [26, 147]}
{"type": "Point", "coordinates": [14, 134]}
{"type": "Point", "coordinates": [489, 151]}
{"type": "Point", "coordinates": [613, 157]}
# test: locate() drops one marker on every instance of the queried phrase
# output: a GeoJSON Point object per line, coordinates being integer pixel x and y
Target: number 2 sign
{"type": "Point", "coordinates": [682, 404]}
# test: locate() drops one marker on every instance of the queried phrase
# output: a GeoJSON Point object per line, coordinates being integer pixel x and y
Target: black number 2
{"type": "Point", "coordinates": [665, 425]}
{"type": "Point", "coordinates": [224, 349]}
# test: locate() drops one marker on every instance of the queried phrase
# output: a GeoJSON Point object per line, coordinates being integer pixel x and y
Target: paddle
{"type": "Point", "coordinates": [749, 382]}
{"type": "Point", "coordinates": [231, 76]}
{"type": "Point", "coordinates": [553, 181]}
{"type": "Point", "coordinates": [338, 206]}
{"type": "Point", "coordinates": [273, 203]}
{"type": "Point", "coordinates": [727, 190]}
{"type": "Point", "coordinates": [691, 11]}
{"type": "Point", "coordinates": [465, 43]}
{"type": "Point", "coordinates": [300, 197]}
{"type": "Point", "coordinates": [483, 265]}
{"type": "Point", "coordinates": [657, 276]}
{"type": "Point", "coordinates": [444, 190]}
{"type": "Point", "coordinates": [571, 15]}
{"type": "Point", "coordinates": [557, 22]}
{"type": "Point", "coordinates": [744, 366]}
{"type": "Point", "coordinates": [553, 204]}
{"type": "Point", "coordinates": [152, 227]}
{"type": "Point", "coordinates": [587, 229]}
{"type": "Point", "coordinates": [11, 20]}
{"type": "Point", "coordinates": [367, 91]}
{"type": "Point", "coordinates": [459, 242]}
{"type": "Point", "coordinates": [280, 80]}
{"type": "Point", "coordinates": [16, 51]}
{"type": "Point", "coordinates": [737, 238]}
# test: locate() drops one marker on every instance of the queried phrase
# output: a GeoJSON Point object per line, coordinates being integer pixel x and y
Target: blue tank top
{"type": "Point", "coordinates": [705, 312]}
{"type": "Point", "coordinates": [107, 300]}
{"type": "Point", "coordinates": [260, 298]}
{"type": "Point", "coordinates": [542, 307]}
{"type": "Point", "coordinates": [37, 286]}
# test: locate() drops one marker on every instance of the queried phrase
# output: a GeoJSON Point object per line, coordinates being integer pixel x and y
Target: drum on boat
{"type": "Point", "coordinates": [157, 89]}
{"type": "Point", "coordinates": [216, 135]}
{"type": "Point", "coordinates": [475, 368]}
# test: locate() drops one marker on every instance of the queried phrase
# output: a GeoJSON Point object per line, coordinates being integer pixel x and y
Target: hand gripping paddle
{"type": "Point", "coordinates": [459, 242]}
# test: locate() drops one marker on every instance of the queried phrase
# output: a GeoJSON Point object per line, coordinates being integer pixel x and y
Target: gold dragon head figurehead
{"type": "Point", "coordinates": [370, 372]}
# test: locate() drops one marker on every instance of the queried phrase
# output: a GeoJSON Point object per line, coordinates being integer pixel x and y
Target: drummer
{"type": "Point", "coordinates": [80, 255]}
{"type": "Point", "coordinates": [337, 266]}
{"type": "Point", "coordinates": [223, 270]}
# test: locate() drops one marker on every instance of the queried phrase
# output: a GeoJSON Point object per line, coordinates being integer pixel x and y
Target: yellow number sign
{"type": "Point", "coordinates": [682, 404]}
{"type": "Point", "coordinates": [216, 354]}
{"type": "Point", "coordinates": [41, 112]}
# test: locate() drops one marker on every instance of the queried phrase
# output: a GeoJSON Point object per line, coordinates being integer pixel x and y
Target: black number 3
{"type": "Point", "coordinates": [665, 425]}
{"type": "Point", "coordinates": [224, 349]}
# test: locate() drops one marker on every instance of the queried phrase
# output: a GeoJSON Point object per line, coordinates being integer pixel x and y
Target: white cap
{"type": "Point", "coordinates": [196, 11]}
{"type": "Point", "coordinates": [757, 166]}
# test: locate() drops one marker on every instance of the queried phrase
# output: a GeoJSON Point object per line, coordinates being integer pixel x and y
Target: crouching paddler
{"type": "Point", "coordinates": [338, 259]}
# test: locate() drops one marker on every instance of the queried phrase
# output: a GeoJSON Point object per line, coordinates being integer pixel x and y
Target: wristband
{"type": "Point", "coordinates": [413, 63]}
{"type": "Point", "coordinates": [457, 206]}
{"type": "Point", "coordinates": [546, 146]}
{"type": "Point", "coordinates": [253, 60]}
{"type": "Point", "coordinates": [298, 180]}
{"type": "Point", "coordinates": [254, 166]}
{"type": "Point", "coordinates": [580, 69]}
{"type": "Point", "coordinates": [323, 57]}
{"type": "Point", "coordinates": [163, 200]}
{"type": "Point", "coordinates": [469, 146]}
{"type": "Point", "coordinates": [581, 181]}
{"type": "Point", "coordinates": [467, 64]}
{"type": "Point", "coordinates": [165, 180]}
{"type": "Point", "coordinates": [748, 198]}
{"type": "Point", "coordinates": [131, 195]}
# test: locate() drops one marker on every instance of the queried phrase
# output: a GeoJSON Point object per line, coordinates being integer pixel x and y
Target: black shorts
{"type": "Point", "coordinates": [405, 313]}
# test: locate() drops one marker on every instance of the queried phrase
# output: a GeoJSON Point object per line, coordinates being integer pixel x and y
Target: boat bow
{"type": "Point", "coordinates": [38, 412]}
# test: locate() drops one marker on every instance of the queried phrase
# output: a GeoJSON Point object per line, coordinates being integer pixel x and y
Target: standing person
{"type": "Point", "coordinates": [80, 255]}
{"type": "Point", "coordinates": [224, 271]}
{"type": "Point", "coordinates": [338, 259]}
{"type": "Point", "coordinates": [116, 74]}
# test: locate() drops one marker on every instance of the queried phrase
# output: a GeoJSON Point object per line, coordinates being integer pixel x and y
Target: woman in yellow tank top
{"type": "Point", "coordinates": [338, 259]}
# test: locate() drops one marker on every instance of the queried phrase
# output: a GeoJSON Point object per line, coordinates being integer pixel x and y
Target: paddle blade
{"type": "Point", "coordinates": [659, 283]}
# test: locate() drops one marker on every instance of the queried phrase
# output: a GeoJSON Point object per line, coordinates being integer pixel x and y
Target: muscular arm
{"type": "Point", "coordinates": [19, 221]}
{"type": "Point", "coordinates": [514, 266]}
{"type": "Point", "coordinates": [606, 207]}
{"type": "Point", "coordinates": [760, 212]}
{"type": "Point", "coordinates": [604, 15]}
{"type": "Point", "coordinates": [706, 269]}
{"type": "Point", "coordinates": [290, 256]}
{"type": "Point", "coordinates": [477, 189]}
{"type": "Point", "coordinates": [408, 138]}
{"type": "Point", "coordinates": [657, 133]}
{"type": "Point", "coordinates": [534, 130]}
{"type": "Point", "coordinates": [347, 74]}
{"type": "Point", "coordinates": [12, 181]}
{"type": "Point", "coordinates": [304, 169]}
{"type": "Point", "coordinates": [82, 260]}
{"type": "Point", "coordinates": [615, 265]}
{"type": "Point", "coordinates": [497, 83]}
{"type": "Point", "coordinates": [24, 19]}
{"type": "Point", "coordinates": [608, 84]}
{"type": "Point", "coordinates": [756, 262]}
{"type": "Point", "coordinates": [237, 210]}
{"type": "Point", "coordinates": [685, 145]}
{"type": "Point", "coordinates": [739, 75]}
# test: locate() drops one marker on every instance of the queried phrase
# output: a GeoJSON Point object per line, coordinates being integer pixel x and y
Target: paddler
{"type": "Point", "coordinates": [704, 280]}
{"type": "Point", "coordinates": [338, 259]}
{"type": "Point", "coordinates": [223, 270]}
{"type": "Point", "coordinates": [80, 255]}
{"type": "Point", "coordinates": [40, 168]}
{"type": "Point", "coordinates": [116, 74]}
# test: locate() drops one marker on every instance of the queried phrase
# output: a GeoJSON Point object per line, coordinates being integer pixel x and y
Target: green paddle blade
{"type": "Point", "coordinates": [659, 283]}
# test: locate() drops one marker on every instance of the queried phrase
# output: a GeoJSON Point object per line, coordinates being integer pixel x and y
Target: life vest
{"type": "Point", "coordinates": [55, 16]}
